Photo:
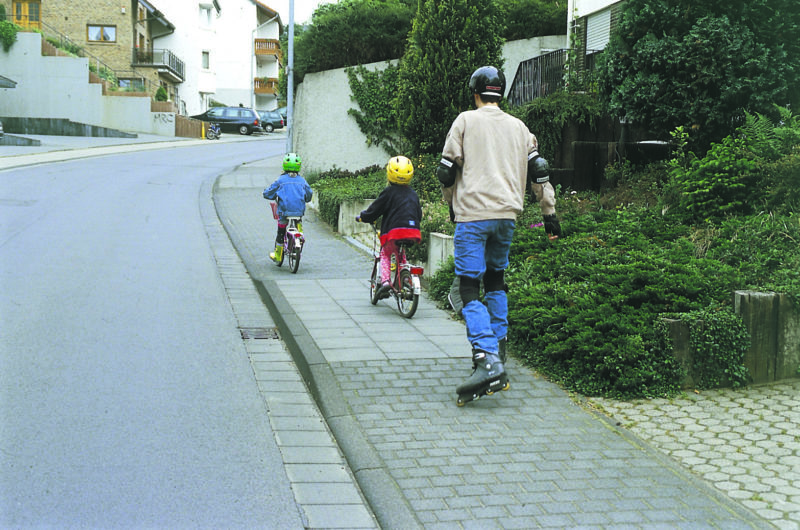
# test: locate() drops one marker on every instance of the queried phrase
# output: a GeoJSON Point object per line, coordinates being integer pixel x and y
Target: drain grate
{"type": "Point", "coordinates": [259, 333]}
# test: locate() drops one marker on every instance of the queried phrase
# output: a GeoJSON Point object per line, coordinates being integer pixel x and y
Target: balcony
{"type": "Point", "coordinates": [167, 63]}
{"type": "Point", "coordinates": [265, 85]}
{"type": "Point", "coordinates": [268, 48]}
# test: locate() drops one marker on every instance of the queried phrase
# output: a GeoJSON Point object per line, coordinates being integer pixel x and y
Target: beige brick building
{"type": "Point", "coordinates": [116, 35]}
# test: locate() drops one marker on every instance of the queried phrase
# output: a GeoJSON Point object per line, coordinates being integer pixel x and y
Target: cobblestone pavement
{"type": "Point", "coordinates": [531, 457]}
{"type": "Point", "coordinates": [745, 442]}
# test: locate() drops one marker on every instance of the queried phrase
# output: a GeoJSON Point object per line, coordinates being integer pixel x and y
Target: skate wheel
{"type": "Point", "coordinates": [489, 392]}
{"type": "Point", "coordinates": [506, 386]}
{"type": "Point", "coordinates": [461, 402]}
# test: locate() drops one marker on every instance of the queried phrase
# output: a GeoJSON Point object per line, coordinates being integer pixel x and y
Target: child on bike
{"type": "Point", "coordinates": [291, 192]}
{"type": "Point", "coordinates": [398, 204]}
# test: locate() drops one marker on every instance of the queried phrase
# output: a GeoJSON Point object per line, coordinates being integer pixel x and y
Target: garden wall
{"type": "Point", "coordinates": [329, 137]}
{"type": "Point", "coordinates": [774, 328]}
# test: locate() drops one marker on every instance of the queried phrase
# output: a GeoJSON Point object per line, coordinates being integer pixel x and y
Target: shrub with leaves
{"type": "Point", "coordinates": [700, 64]}
{"type": "Point", "coordinates": [336, 186]}
{"type": "Point", "coordinates": [547, 116]}
{"type": "Point", "coordinates": [718, 341]}
{"type": "Point", "coordinates": [582, 310]}
{"type": "Point", "coordinates": [8, 34]}
{"type": "Point", "coordinates": [449, 40]}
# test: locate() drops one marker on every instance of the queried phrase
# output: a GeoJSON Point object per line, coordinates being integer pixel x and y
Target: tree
{"type": "Point", "coordinates": [701, 65]}
{"type": "Point", "coordinates": [352, 32]}
{"type": "Point", "coordinates": [525, 19]}
{"type": "Point", "coordinates": [449, 40]}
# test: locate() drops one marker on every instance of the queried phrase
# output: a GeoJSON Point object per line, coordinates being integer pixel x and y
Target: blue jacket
{"type": "Point", "coordinates": [291, 192]}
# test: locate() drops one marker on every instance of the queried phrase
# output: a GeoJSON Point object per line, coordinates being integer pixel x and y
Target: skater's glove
{"type": "Point", "coordinates": [552, 226]}
{"type": "Point", "coordinates": [358, 218]}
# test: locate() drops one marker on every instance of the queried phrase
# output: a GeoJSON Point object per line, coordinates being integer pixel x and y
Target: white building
{"type": "Point", "coordinates": [230, 49]}
{"type": "Point", "coordinates": [589, 23]}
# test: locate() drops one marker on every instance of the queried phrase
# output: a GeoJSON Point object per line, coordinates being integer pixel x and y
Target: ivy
{"type": "Point", "coordinates": [548, 116]}
{"type": "Point", "coordinates": [718, 342]}
{"type": "Point", "coordinates": [374, 91]}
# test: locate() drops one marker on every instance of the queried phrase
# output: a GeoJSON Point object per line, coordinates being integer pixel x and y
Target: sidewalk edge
{"type": "Point", "coordinates": [387, 502]}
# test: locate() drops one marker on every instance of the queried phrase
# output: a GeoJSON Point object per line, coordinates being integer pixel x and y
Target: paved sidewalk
{"type": "Point", "coordinates": [532, 457]}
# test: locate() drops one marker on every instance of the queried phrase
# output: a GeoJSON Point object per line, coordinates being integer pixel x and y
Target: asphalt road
{"type": "Point", "coordinates": [126, 395]}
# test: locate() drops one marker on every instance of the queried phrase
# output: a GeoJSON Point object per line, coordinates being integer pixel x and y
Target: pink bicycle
{"type": "Point", "coordinates": [293, 240]}
{"type": "Point", "coordinates": [405, 283]}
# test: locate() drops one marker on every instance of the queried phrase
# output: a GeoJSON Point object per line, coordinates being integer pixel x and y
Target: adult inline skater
{"type": "Point", "coordinates": [488, 159]}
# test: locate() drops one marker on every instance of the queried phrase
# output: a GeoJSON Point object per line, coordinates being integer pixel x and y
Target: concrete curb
{"type": "Point", "coordinates": [387, 502]}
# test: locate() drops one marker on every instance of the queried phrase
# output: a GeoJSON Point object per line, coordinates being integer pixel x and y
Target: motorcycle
{"type": "Point", "coordinates": [213, 132]}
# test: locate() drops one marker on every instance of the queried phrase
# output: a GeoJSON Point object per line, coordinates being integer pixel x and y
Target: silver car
{"type": "Point", "coordinates": [1, 129]}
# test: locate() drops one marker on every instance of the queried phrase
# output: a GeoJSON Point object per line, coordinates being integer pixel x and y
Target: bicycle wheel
{"type": "Point", "coordinates": [294, 255]}
{"type": "Point", "coordinates": [374, 284]}
{"type": "Point", "coordinates": [407, 301]}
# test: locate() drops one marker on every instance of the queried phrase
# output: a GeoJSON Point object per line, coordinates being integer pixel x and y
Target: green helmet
{"type": "Point", "coordinates": [292, 162]}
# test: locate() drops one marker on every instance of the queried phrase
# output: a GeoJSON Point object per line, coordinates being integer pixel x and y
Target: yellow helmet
{"type": "Point", "coordinates": [399, 170]}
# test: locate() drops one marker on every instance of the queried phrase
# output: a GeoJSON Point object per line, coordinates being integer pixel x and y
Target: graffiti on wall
{"type": "Point", "coordinates": [165, 118]}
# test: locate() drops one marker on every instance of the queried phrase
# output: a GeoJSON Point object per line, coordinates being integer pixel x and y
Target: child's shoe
{"type": "Point", "coordinates": [277, 255]}
{"type": "Point", "coordinates": [383, 291]}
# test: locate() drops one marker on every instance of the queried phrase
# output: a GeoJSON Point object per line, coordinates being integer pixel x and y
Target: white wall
{"type": "Point", "coordinates": [47, 87]}
{"type": "Point", "coordinates": [58, 87]}
{"type": "Point", "coordinates": [235, 51]}
{"type": "Point", "coordinates": [581, 8]}
{"type": "Point", "coordinates": [326, 136]}
{"type": "Point", "coordinates": [188, 41]}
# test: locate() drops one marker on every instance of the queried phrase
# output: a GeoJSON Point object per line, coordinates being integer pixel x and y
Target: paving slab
{"type": "Point", "coordinates": [532, 457]}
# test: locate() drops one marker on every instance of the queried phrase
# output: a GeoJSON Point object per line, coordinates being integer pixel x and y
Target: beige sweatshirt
{"type": "Point", "coordinates": [491, 147]}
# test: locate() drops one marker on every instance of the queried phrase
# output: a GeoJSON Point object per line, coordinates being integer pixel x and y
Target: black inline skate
{"type": "Point", "coordinates": [488, 377]}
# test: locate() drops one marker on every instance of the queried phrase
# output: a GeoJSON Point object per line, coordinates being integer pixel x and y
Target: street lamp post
{"type": "Point", "coordinates": [290, 78]}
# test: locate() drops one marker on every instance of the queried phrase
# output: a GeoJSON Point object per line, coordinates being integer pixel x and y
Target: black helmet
{"type": "Point", "coordinates": [488, 81]}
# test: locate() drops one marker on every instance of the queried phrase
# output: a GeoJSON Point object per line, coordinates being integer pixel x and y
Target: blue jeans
{"type": "Point", "coordinates": [480, 246]}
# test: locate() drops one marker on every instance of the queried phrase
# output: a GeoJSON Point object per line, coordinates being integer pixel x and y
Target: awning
{"type": "Point", "coordinates": [7, 83]}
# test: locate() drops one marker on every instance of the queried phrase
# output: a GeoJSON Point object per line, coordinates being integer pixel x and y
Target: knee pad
{"type": "Point", "coordinates": [469, 290]}
{"type": "Point", "coordinates": [494, 281]}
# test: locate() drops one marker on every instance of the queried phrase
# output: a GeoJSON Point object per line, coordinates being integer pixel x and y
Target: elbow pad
{"type": "Point", "coordinates": [446, 172]}
{"type": "Point", "coordinates": [538, 168]}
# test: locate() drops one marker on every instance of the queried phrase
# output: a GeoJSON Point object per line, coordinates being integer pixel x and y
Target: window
{"type": "Point", "coordinates": [206, 61]}
{"type": "Point", "coordinates": [97, 33]}
{"type": "Point", "coordinates": [27, 13]}
{"type": "Point", "coordinates": [205, 15]}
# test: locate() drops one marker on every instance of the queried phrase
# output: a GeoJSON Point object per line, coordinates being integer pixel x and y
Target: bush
{"type": "Point", "coordinates": [781, 185]}
{"type": "Point", "coordinates": [582, 310]}
{"type": "Point", "coordinates": [547, 116]}
{"type": "Point", "coordinates": [525, 19]}
{"type": "Point", "coordinates": [449, 40]}
{"type": "Point", "coordinates": [718, 342]}
{"type": "Point", "coordinates": [337, 186]}
{"type": "Point", "coordinates": [161, 94]}
{"type": "Point", "coordinates": [8, 34]}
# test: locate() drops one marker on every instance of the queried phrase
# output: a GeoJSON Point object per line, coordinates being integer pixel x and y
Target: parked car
{"type": "Point", "coordinates": [243, 120]}
{"type": "Point", "coordinates": [270, 120]}
{"type": "Point", "coordinates": [1, 129]}
{"type": "Point", "coordinates": [282, 112]}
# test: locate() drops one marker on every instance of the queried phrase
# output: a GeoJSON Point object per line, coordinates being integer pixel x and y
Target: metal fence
{"type": "Point", "coordinates": [552, 72]}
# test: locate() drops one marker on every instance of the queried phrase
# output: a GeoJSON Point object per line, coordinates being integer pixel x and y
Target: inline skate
{"type": "Point", "coordinates": [488, 376]}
